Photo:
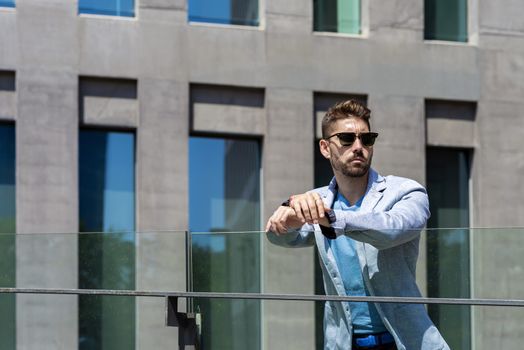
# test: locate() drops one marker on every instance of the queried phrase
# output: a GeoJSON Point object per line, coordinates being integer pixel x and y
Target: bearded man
{"type": "Point", "coordinates": [367, 230]}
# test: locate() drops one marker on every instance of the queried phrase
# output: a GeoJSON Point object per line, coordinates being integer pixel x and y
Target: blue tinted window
{"type": "Point", "coordinates": [7, 237]}
{"type": "Point", "coordinates": [7, 178]}
{"type": "Point", "coordinates": [125, 8]}
{"type": "Point", "coordinates": [7, 3]}
{"type": "Point", "coordinates": [107, 181]}
{"type": "Point", "coordinates": [447, 177]}
{"type": "Point", "coordinates": [224, 178]}
{"type": "Point", "coordinates": [339, 16]}
{"type": "Point", "coordinates": [241, 12]}
{"type": "Point", "coordinates": [446, 20]}
{"type": "Point", "coordinates": [106, 260]}
{"type": "Point", "coordinates": [224, 187]}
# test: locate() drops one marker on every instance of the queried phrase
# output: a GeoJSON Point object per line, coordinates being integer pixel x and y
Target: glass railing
{"type": "Point", "coordinates": [109, 290]}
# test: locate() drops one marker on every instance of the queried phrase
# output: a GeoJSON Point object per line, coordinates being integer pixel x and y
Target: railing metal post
{"type": "Point", "coordinates": [189, 269]}
{"type": "Point", "coordinates": [188, 325]}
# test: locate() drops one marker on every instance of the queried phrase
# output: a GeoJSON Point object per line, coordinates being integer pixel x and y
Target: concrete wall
{"type": "Point", "coordinates": [499, 163]}
{"type": "Point", "coordinates": [49, 47]}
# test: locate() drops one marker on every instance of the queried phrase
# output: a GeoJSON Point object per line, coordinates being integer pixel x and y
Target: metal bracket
{"type": "Point", "coordinates": [188, 325]}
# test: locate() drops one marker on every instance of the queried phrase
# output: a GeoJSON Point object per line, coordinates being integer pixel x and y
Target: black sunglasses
{"type": "Point", "coordinates": [347, 138]}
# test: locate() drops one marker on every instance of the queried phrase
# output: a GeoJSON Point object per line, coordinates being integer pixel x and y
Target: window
{"type": "Point", "coordinates": [240, 12]}
{"type": "Point", "coordinates": [7, 235]}
{"type": "Point", "coordinates": [447, 175]}
{"type": "Point", "coordinates": [224, 192]}
{"type": "Point", "coordinates": [123, 8]}
{"type": "Point", "coordinates": [107, 260]}
{"type": "Point", "coordinates": [7, 3]}
{"type": "Point", "coordinates": [339, 16]}
{"type": "Point", "coordinates": [446, 20]}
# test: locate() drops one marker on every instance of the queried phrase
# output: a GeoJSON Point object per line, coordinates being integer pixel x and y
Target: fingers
{"type": "Point", "coordinates": [296, 205]}
{"type": "Point", "coordinates": [320, 206]}
{"type": "Point", "coordinates": [279, 222]}
{"type": "Point", "coordinates": [309, 207]}
{"type": "Point", "coordinates": [283, 219]}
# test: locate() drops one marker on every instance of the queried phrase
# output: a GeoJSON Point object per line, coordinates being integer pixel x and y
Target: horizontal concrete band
{"type": "Point", "coordinates": [289, 297]}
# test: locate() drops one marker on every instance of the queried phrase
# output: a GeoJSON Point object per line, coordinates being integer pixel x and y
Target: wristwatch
{"type": "Point", "coordinates": [330, 214]}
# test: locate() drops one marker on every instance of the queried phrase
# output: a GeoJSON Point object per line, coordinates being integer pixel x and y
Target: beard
{"type": "Point", "coordinates": [352, 170]}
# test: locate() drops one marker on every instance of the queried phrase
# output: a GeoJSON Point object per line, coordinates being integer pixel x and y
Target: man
{"type": "Point", "coordinates": [367, 230]}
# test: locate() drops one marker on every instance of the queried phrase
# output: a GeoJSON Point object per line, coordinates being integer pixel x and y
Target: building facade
{"type": "Point", "coordinates": [132, 101]}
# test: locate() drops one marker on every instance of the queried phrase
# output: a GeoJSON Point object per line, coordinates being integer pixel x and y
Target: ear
{"type": "Point", "coordinates": [324, 148]}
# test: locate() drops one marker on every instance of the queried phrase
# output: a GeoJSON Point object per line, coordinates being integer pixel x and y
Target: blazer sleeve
{"type": "Point", "coordinates": [304, 237]}
{"type": "Point", "coordinates": [386, 229]}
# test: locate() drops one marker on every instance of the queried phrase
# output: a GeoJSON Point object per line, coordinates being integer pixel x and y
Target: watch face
{"type": "Point", "coordinates": [331, 216]}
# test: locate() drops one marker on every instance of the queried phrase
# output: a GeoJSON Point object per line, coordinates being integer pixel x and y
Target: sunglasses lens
{"type": "Point", "coordinates": [368, 139]}
{"type": "Point", "coordinates": [347, 138]}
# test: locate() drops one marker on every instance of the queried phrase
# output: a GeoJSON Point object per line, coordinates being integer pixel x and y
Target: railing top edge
{"type": "Point", "coordinates": [267, 296]}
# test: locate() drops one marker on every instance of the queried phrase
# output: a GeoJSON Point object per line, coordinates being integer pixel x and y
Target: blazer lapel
{"type": "Point", "coordinates": [376, 187]}
{"type": "Point", "coordinates": [326, 253]}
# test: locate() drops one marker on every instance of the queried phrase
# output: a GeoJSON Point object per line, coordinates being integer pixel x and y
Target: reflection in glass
{"type": "Point", "coordinates": [239, 12]}
{"type": "Point", "coordinates": [7, 3]}
{"type": "Point", "coordinates": [107, 261]}
{"type": "Point", "coordinates": [7, 236]}
{"type": "Point", "coordinates": [448, 249]}
{"type": "Point", "coordinates": [446, 20]}
{"type": "Point", "coordinates": [123, 8]}
{"type": "Point", "coordinates": [224, 192]}
{"type": "Point", "coordinates": [339, 16]}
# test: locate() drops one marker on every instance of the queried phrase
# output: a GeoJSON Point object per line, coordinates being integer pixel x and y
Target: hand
{"type": "Point", "coordinates": [283, 218]}
{"type": "Point", "coordinates": [309, 208]}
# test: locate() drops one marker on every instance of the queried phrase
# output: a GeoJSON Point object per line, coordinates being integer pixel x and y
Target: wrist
{"type": "Point", "coordinates": [324, 222]}
{"type": "Point", "coordinates": [329, 218]}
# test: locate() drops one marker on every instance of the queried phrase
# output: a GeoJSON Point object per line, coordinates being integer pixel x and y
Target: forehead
{"type": "Point", "coordinates": [350, 125]}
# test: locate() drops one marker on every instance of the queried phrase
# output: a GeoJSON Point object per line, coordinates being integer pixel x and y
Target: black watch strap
{"type": "Point", "coordinates": [331, 216]}
{"type": "Point", "coordinates": [328, 232]}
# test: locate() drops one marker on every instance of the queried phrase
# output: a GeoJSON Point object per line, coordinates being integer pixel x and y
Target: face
{"type": "Point", "coordinates": [353, 160]}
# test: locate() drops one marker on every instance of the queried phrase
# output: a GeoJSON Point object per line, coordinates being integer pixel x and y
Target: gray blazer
{"type": "Point", "coordinates": [387, 233]}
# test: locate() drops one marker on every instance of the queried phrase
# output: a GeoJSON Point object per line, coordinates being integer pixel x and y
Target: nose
{"type": "Point", "coordinates": [357, 145]}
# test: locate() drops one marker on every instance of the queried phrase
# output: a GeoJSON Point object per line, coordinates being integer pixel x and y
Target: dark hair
{"type": "Point", "coordinates": [343, 110]}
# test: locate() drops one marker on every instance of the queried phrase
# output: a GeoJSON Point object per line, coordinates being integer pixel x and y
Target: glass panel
{"type": "Point", "coordinates": [340, 16]}
{"type": "Point", "coordinates": [7, 236]}
{"type": "Point", "coordinates": [448, 190]}
{"type": "Point", "coordinates": [107, 204]}
{"type": "Point", "coordinates": [499, 275]}
{"type": "Point", "coordinates": [7, 3]}
{"type": "Point", "coordinates": [240, 12]}
{"type": "Point", "coordinates": [224, 192]}
{"type": "Point", "coordinates": [446, 20]}
{"type": "Point", "coordinates": [124, 8]}
{"type": "Point", "coordinates": [499, 272]}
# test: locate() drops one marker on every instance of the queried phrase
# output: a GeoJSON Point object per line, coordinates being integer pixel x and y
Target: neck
{"type": "Point", "coordinates": [352, 188]}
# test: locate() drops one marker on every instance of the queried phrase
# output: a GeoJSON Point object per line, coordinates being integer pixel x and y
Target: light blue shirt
{"type": "Point", "coordinates": [365, 316]}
